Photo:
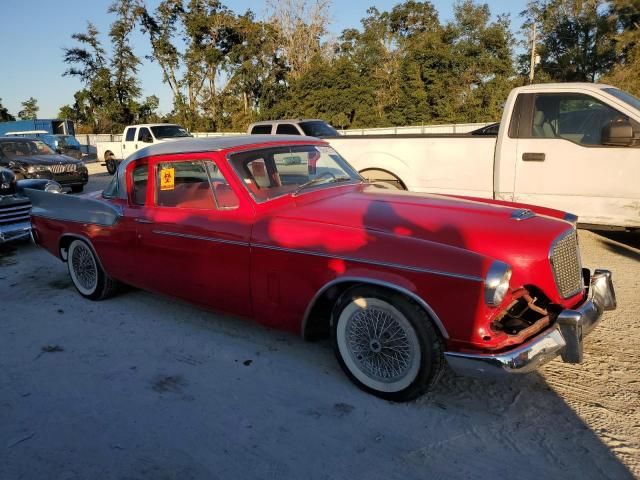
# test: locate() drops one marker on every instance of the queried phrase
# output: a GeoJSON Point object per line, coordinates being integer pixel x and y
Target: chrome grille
{"type": "Point", "coordinates": [566, 265]}
{"type": "Point", "coordinates": [15, 212]}
{"type": "Point", "coordinates": [64, 168]}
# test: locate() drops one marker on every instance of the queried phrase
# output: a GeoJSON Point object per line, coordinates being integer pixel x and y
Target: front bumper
{"type": "Point", "coordinates": [564, 338]}
{"type": "Point", "coordinates": [14, 231]}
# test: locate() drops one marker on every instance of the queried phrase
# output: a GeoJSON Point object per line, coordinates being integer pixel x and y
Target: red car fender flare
{"type": "Point", "coordinates": [381, 283]}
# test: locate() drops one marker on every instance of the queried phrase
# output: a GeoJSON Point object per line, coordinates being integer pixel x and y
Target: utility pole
{"type": "Point", "coordinates": [532, 67]}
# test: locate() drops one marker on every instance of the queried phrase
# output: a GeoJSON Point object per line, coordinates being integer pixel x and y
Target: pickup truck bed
{"type": "Point", "coordinates": [424, 163]}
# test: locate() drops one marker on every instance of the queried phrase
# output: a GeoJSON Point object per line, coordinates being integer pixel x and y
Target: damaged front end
{"type": "Point", "coordinates": [551, 331]}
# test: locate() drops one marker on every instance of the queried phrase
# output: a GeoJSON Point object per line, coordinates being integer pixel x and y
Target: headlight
{"type": "Point", "coordinates": [496, 284]}
{"type": "Point", "coordinates": [53, 187]}
{"type": "Point", "coordinates": [37, 168]}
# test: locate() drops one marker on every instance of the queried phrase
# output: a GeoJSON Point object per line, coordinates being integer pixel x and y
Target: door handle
{"type": "Point", "coordinates": [533, 157]}
{"type": "Point", "coordinates": [142, 220]}
{"type": "Point", "coordinates": [136, 146]}
{"type": "Point", "coordinates": [124, 146]}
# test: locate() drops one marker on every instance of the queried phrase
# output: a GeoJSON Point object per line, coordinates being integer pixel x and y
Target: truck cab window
{"type": "Point", "coordinates": [578, 118]}
{"type": "Point", "coordinates": [144, 135]}
{"type": "Point", "coordinates": [130, 135]}
{"type": "Point", "coordinates": [261, 130]}
{"type": "Point", "coordinates": [287, 129]}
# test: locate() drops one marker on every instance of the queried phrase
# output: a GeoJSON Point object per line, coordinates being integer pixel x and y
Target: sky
{"type": "Point", "coordinates": [34, 33]}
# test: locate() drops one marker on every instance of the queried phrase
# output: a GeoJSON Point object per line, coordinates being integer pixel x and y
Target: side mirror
{"type": "Point", "coordinates": [618, 133]}
{"type": "Point", "coordinates": [147, 139]}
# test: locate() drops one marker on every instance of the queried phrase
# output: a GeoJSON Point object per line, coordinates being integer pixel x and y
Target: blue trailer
{"type": "Point", "coordinates": [51, 126]}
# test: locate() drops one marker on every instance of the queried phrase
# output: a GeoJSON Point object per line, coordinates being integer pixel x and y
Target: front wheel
{"type": "Point", "coordinates": [87, 275]}
{"type": "Point", "coordinates": [111, 163]}
{"type": "Point", "coordinates": [77, 188]}
{"type": "Point", "coordinates": [386, 344]}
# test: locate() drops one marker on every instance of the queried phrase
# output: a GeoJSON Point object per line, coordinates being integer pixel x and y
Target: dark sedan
{"type": "Point", "coordinates": [32, 158]}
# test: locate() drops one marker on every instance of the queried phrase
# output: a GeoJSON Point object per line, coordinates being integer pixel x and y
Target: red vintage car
{"type": "Point", "coordinates": [283, 231]}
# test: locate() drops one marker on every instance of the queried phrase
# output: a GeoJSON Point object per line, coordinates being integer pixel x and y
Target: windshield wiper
{"type": "Point", "coordinates": [319, 180]}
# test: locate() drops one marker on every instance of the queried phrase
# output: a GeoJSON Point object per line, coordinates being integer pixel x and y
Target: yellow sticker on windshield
{"type": "Point", "coordinates": [167, 179]}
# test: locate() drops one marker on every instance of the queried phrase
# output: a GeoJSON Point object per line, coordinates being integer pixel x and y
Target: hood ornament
{"type": "Point", "coordinates": [522, 214]}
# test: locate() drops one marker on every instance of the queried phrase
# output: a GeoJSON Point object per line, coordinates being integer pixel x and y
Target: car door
{"type": "Point", "coordinates": [193, 235]}
{"type": "Point", "coordinates": [129, 141]}
{"type": "Point", "coordinates": [561, 161]}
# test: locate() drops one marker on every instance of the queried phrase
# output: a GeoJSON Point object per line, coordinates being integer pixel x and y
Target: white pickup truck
{"type": "Point", "coordinates": [571, 146]}
{"type": "Point", "coordinates": [134, 138]}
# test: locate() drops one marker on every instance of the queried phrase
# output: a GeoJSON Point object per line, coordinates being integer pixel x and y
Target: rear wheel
{"type": "Point", "coordinates": [87, 275]}
{"type": "Point", "coordinates": [383, 177]}
{"type": "Point", "coordinates": [111, 163]}
{"type": "Point", "coordinates": [386, 344]}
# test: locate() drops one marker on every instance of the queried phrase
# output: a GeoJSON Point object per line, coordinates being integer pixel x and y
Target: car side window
{"type": "Point", "coordinates": [130, 134]}
{"type": "Point", "coordinates": [578, 118]}
{"type": "Point", "coordinates": [261, 130]}
{"type": "Point", "coordinates": [183, 185]}
{"type": "Point", "coordinates": [140, 176]}
{"type": "Point", "coordinates": [225, 197]}
{"type": "Point", "coordinates": [287, 129]}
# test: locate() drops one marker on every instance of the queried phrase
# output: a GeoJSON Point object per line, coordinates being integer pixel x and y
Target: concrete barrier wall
{"type": "Point", "coordinates": [89, 141]}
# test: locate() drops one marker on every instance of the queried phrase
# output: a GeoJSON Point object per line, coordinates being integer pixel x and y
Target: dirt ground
{"type": "Point", "coordinates": [146, 387]}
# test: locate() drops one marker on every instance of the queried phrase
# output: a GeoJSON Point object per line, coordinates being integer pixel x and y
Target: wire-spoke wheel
{"type": "Point", "coordinates": [86, 273]}
{"type": "Point", "coordinates": [386, 344]}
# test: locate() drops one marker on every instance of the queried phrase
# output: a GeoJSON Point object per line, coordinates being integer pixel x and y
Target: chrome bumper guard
{"type": "Point", "coordinates": [14, 231]}
{"type": "Point", "coordinates": [564, 338]}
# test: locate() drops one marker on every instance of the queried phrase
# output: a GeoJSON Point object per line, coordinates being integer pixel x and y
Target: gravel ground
{"type": "Point", "coordinates": [146, 387]}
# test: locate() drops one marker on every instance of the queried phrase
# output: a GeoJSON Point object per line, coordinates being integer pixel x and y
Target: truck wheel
{"type": "Point", "coordinates": [386, 344]}
{"type": "Point", "coordinates": [382, 176]}
{"type": "Point", "coordinates": [87, 275]}
{"type": "Point", "coordinates": [112, 165]}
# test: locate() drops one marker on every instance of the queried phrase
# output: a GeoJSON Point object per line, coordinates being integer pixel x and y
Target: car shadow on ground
{"type": "Point", "coordinates": [163, 388]}
{"type": "Point", "coordinates": [626, 244]}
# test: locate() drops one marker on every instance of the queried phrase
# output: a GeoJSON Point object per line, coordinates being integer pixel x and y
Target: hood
{"type": "Point", "coordinates": [44, 159]}
{"type": "Point", "coordinates": [473, 225]}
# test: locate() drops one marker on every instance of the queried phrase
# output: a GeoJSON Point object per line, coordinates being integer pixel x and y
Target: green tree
{"type": "Point", "coordinates": [5, 116]}
{"type": "Point", "coordinates": [575, 39]}
{"type": "Point", "coordinates": [109, 100]}
{"type": "Point", "coordinates": [625, 73]}
{"type": "Point", "coordinates": [29, 109]}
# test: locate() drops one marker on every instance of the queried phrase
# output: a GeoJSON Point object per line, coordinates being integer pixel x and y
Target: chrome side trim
{"type": "Point", "coordinates": [199, 237]}
{"type": "Point", "coordinates": [371, 262]}
{"type": "Point", "coordinates": [381, 283]}
{"type": "Point", "coordinates": [522, 214]}
{"type": "Point", "coordinates": [323, 255]}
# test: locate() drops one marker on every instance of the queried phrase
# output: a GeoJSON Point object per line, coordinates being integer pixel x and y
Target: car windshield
{"type": "Point", "coordinates": [22, 147]}
{"type": "Point", "coordinates": [277, 171]}
{"type": "Point", "coordinates": [624, 96]}
{"type": "Point", "coordinates": [318, 129]}
{"type": "Point", "coordinates": [169, 131]}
